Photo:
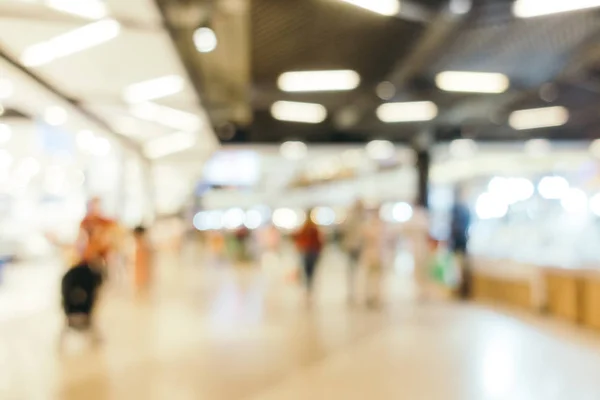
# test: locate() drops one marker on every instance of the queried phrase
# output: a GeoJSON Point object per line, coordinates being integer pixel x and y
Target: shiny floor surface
{"type": "Point", "coordinates": [248, 333]}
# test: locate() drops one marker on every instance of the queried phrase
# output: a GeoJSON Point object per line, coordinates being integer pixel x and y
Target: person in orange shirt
{"type": "Point", "coordinates": [309, 242]}
{"type": "Point", "coordinates": [94, 240]}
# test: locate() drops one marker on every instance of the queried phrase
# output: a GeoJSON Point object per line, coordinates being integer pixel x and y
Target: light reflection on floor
{"type": "Point", "coordinates": [210, 332]}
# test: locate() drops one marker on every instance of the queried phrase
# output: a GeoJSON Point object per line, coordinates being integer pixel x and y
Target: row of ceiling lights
{"type": "Point", "coordinates": [520, 8]}
{"type": "Point", "coordinates": [395, 112]}
{"type": "Point", "coordinates": [455, 81]}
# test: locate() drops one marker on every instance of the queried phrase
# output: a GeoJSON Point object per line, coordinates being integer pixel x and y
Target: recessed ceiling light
{"type": "Point", "coordinates": [473, 82]}
{"type": "Point", "coordinates": [539, 118]}
{"type": "Point", "coordinates": [318, 81]}
{"type": "Point", "coordinates": [386, 90]}
{"type": "Point", "coordinates": [407, 112]}
{"type": "Point", "coordinates": [383, 7]}
{"type": "Point", "coordinates": [205, 40]}
{"type": "Point", "coordinates": [536, 8]}
{"type": "Point", "coordinates": [153, 89]}
{"type": "Point", "coordinates": [74, 41]}
{"type": "Point", "coordinates": [310, 113]}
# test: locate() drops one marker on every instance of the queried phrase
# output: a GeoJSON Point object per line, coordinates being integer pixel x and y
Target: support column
{"type": "Point", "coordinates": [422, 145]}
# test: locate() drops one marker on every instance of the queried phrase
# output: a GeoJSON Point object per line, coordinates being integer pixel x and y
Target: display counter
{"type": "Point", "coordinates": [571, 295]}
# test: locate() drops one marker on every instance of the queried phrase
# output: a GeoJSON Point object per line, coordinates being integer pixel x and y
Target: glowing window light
{"type": "Point", "coordinates": [538, 147]}
{"type": "Point", "coordinates": [101, 147]}
{"type": "Point", "coordinates": [536, 8]}
{"type": "Point", "coordinates": [290, 111]}
{"type": "Point", "coordinates": [74, 41]}
{"type": "Point", "coordinates": [324, 216]}
{"type": "Point", "coordinates": [386, 8]}
{"type": "Point", "coordinates": [473, 82]}
{"type": "Point", "coordinates": [380, 149]}
{"type": "Point", "coordinates": [489, 206]}
{"type": "Point", "coordinates": [407, 112]}
{"type": "Point", "coordinates": [318, 81]}
{"type": "Point", "coordinates": [511, 190]}
{"type": "Point", "coordinates": [293, 150]}
{"type": "Point", "coordinates": [595, 204]}
{"type": "Point", "coordinates": [574, 201]}
{"type": "Point", "coordinates": [402, 212]}
{"type": "Point", "coordinates": [153, 89]}
{"type": "Point", "coordinates": [538, 118]}
{"type": "Point", "coordinates": [253, 219]}
{"type": "Point", "coordinates": [233, 218]}
{"type": "Point", "coordinates": [463, 148]}
{"type": "Point", "coordinates": [287, 218]}
{"type": "Point", "coordinates": [553, 187]}
{"type": "Point", "coordinates": [85, 140]}
{"type": "Point", "coordinates": [205, 40]}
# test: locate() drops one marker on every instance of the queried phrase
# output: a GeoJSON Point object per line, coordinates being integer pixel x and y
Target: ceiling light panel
{"type": "Point", "coordinates": [318, 81]}
{"type": "Point", "coordinates": [382, 7]}
{"type": "Point", "coordinates": [407, 112]}
{"type": "Point", "coordinates": [309, 113]}
{"type": "Point", "coordinates": [539, 118]}
{"type": "Point", "coordinates": [72, 42]}
{"type": "Point", "coordinates": [154, 89]}
{"type": "Point", "coordinates": [474, 82]}
{"type": "Point", "coordinates": [166, 116]}
{"type": "Point", "coordinates": [537, 8]}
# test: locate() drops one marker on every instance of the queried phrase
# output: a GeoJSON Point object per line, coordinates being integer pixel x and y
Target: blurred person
{"type": "Point", "coordinates": [309, 242]}
{"type": "Point", "coordinates": [143, 259]}
{"type": "Point", "coordinates": [459, 239]}
{"type": "Point", "coordinates": [352, 243]}
{"type": "Point", "coordinates": [95, 239]}
{"type": "Point", "coordinates": [416, 232]}
{"type": "Point", "coordinates": [372, 256]}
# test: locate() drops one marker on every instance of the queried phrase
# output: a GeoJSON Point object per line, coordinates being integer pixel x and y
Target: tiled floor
{"type": "Point", "coordinates": [209, 333]}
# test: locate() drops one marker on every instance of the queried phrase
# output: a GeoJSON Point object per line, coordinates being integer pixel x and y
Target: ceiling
{"type": "Point", "coordinates": [91, 82]}
{"type": "Point", "coordinates": [552, 60]}
{"type": "Point", "coordinates": [261, 39]}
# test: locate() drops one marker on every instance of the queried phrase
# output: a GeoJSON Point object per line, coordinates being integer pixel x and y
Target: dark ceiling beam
{"type": "Point", "coordinates": [126, 142]}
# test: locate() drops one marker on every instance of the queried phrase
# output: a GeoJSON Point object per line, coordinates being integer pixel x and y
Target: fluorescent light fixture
{"type": "Point", "coordinates": [90, 9]}
{"type": "Point", "coordinates": [380, 149]}
{"type": "Point", "coordinates": [169, 144]}
{"type": "Point", "coordinates": [309, 113]}
{"type": "Point", "coordinates": [384, 7]}
{"type": "Point", "coordinates": [472, 82]}
{"type": "Point", "coordinates": [407, 112]}
{"type": "Point", "coordinates": [74, 41]}
{"type": "Point", "coordinates": [55, 116]}
{"type": "Point", "coordinates": [318, 81]}
{"type": "Point", "coordinates": [6, 88]}
{"type": "Point", "coordinates": [205, 40]}
{"type": "Point", "coordinates": [539, 118]}
{"type": "Point", "coordinates": [166, 116]}
{"type": "Point", "coordinates": [293, 150]}
{"type": "Point", "coordinates": [153, 89]}
{"type": "Point", "coordinates": [536, 8]}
